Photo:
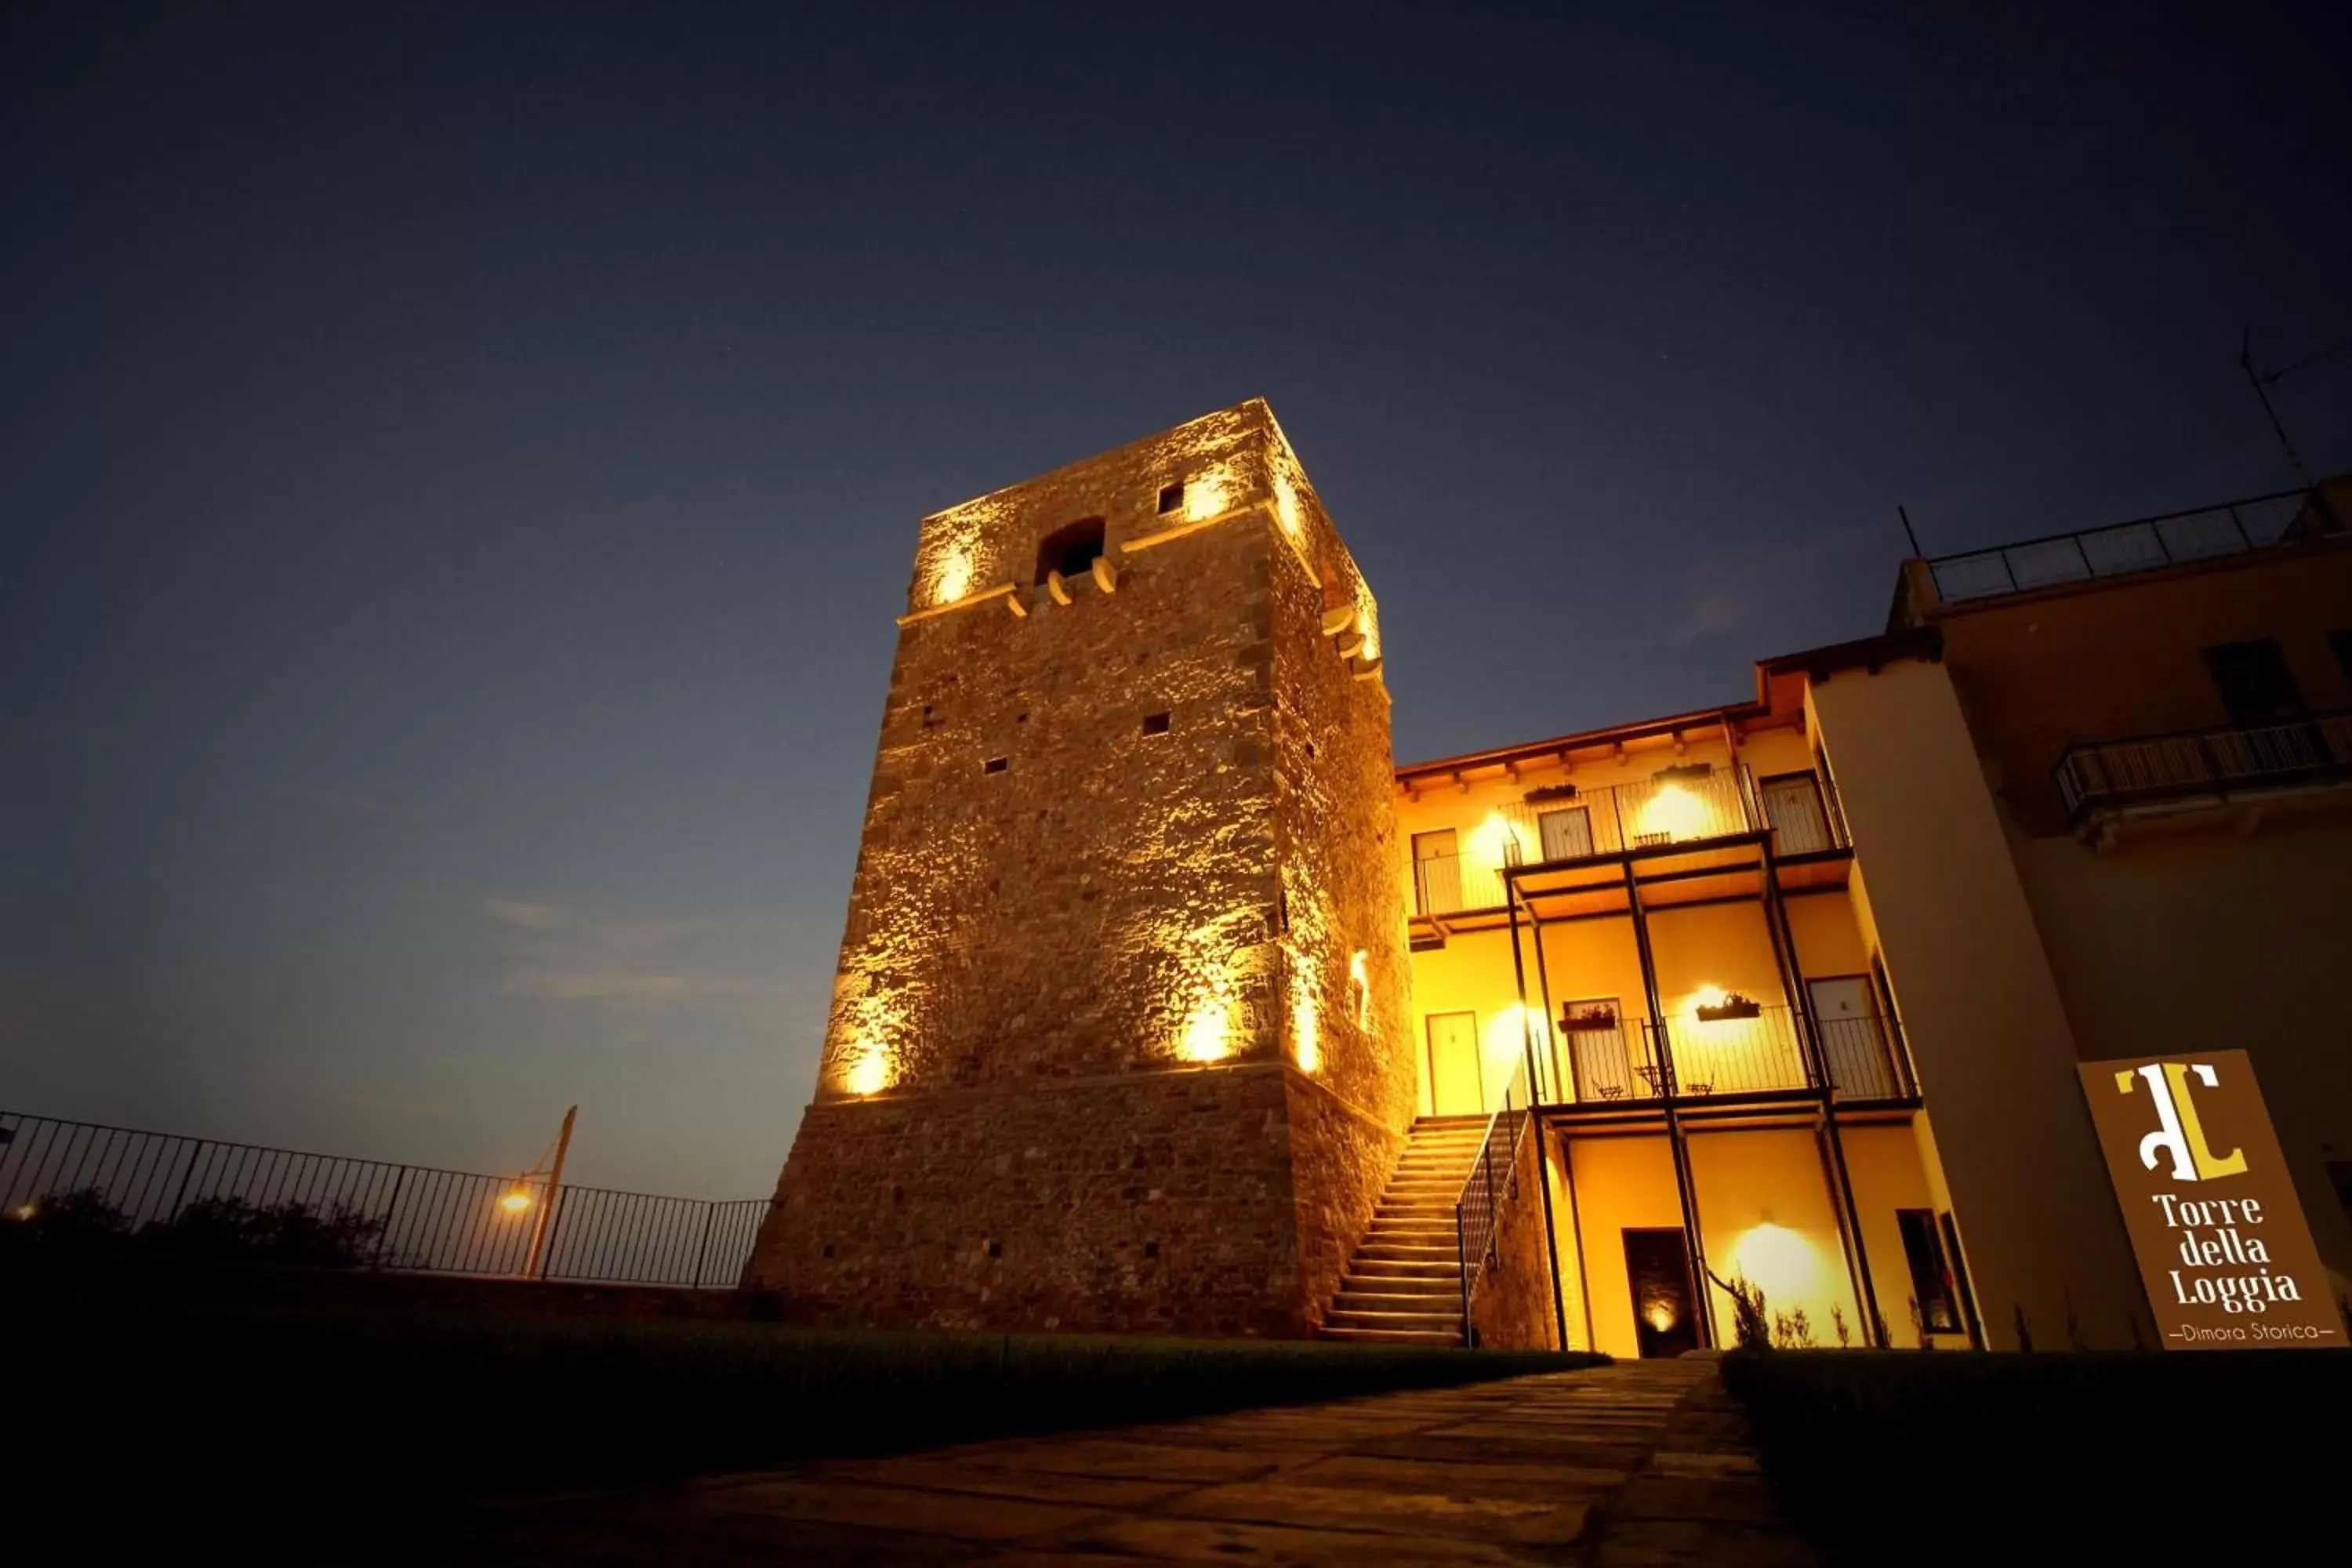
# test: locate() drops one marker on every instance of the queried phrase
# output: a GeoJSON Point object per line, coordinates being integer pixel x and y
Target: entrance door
{"type": "Point", "coordinates": [1595, 1034]}
{"type": "Point", "coordinates": [1567, 832]}
{"type": "Point", "coordinates": [1436, 873]}
{"type": "Point", "coordinates": [1454, 1086]}
{"type": "Point", "coordinates": [1853, 1044]}
{"type": "Point", "coordinates": [1657, 1265]}
{"type": "Point", "coordinates": [1792, 805]}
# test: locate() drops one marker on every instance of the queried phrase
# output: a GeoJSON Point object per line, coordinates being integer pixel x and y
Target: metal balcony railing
{"type": "Point", "coordinates": [1566, 823]}
{"type": "Point", "coordinates": [2116, 550]}
{"type": "Point", "coordinates": [2219, 762]}
{"type": "Point", "coordinates": [1688, 1058]}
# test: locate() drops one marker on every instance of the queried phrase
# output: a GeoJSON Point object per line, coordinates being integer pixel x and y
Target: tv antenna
{"type": "Point", "coordinates": [2263, 381]}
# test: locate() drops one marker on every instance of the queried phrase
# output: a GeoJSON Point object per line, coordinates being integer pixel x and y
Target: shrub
{"type": "Point", "coordinates": [1750, 1326]}
{"type": "Point", "coordinates": [236, 1229]}
{"type": "Point", "coordinates": [81, 1216]}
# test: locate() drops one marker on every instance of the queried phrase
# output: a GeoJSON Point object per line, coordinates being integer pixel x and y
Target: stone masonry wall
{"type": "Point", "coordinates": [1512, 1307]}
{"type": "Point", "coordinates": [1339, 1161]}
{"type": "Point", "coordinates": [1152, 1204]}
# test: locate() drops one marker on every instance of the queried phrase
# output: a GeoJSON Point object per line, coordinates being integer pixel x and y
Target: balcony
{"type": "Point", "coordinates": [1567, 823]}
{"type": "Point", "coordinates": [1643, 1060]}
{"type": "Point", "coordinates": [2103, 780]}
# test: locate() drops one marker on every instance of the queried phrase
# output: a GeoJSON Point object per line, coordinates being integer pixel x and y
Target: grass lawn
{"type": "Point", "coordinates": [233, 1418]}
{"type": "Point", "coordinates": [1904, 1457]}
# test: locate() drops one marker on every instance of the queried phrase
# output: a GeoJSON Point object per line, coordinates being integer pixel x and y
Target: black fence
{"type": "Point", "coordinates": [2117, 549]}
{"type": "Point", "coordinates": [201, 1193]}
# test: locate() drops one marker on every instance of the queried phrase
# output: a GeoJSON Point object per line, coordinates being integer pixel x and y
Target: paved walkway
{"type": "Point", "coordinates": [1641, 1463]}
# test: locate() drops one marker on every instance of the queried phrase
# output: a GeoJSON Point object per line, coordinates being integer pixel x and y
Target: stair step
{"type": "Point", "coordinates": [1421, 1322]}
{"type": "Point", "coordinates": [1389, 1337]}
{"type": "Point", "coordinates": [1393, 1268]}
{"type": "Point", "coordinates": [1447, 1301]}
{"type": "Point", "coordinates": [1421, 1287]}
{"type": "Point", "coordinates": [1409, 1252]}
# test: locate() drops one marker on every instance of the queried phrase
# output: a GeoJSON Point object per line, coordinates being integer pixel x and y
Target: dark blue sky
{"type": "Point", "coordinates": [459, 464]}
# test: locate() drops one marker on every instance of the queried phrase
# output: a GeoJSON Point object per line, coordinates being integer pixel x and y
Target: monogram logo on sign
{"type": "Point", "coordinates": [2178, 1133]}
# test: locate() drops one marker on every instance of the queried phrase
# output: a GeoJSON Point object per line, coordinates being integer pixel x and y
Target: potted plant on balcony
{"type": "Point", "coordinates": [1730, 1004]}
{"type": "Point", "coordinates": [1594, 1015]}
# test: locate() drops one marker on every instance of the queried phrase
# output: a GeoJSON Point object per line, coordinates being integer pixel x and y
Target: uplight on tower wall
{"type": "Point", "coordinates": [1306, 1049]}
{"type": "Point", "coordinates": [869, 1071]}
{"type": "Point", "coordinates": [1207, 494]}
{"type": "Point", "coordinates": [1286, 510]}
{"type": "Point", "coordinates": [1208, 1032]}
{"type": "Point", "coordinates": [953, 579]}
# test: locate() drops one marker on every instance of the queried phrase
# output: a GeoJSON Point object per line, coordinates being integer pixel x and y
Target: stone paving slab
{"type": "Point", "coordinates": [1638, 1465]}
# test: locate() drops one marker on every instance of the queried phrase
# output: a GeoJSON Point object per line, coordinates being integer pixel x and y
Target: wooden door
{"type": "Point", "coordinates": [1567, 833]}
{"type": "Point", "coordinates": [1454, 1089]}
{"type": "Point", "coordinates": [1792, 804]}
{"type": "Point", "coordinates": [1436, 873]}
{"type": "Point", "coordinates": [1853, 1046]}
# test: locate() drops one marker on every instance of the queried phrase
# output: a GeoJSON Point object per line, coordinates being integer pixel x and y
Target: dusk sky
{"type": "Point", "coordinates": [459, 464]}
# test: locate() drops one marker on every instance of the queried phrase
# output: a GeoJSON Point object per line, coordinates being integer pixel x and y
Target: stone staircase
{"type": "Point", "coordinates": [1403, 1286]}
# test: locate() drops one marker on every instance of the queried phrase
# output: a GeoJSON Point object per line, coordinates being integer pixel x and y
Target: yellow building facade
{"type": "Point", "coordinates": [1786, 999]}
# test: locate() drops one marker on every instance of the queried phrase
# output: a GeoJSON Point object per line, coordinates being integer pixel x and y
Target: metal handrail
{"type": "Point", "coordinates": [1952, 585]}
{"type": "Point", "coordinates": [2189, 762]}
{"type": "Point", "coordinates": [1478, 1211]}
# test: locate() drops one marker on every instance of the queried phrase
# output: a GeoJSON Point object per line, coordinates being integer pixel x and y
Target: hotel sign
{"type": "Point", "coordinates": [2223, 1248]}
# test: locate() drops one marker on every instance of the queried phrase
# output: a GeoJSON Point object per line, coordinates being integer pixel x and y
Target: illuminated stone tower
{"type": "Point", "coordinates": [1118, 1036]}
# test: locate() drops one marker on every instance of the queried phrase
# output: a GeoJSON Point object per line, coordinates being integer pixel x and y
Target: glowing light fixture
{"type": "Point", "coordinates": [1708, 996]}
{"type": "Point", "coordinates": [1780, 1262]}
{"type": "Point", "coordinates": [26, 1209]}
{"type": "Point", "coordinates": [1499, 841]}
{"type": "Point", "coordinates": [516, 1200]}
{"type": "Point", "coordinates": [1206, 1032]}
{"type": "Point", "coordinates": [1362, 979]}
{"type": "Point", "coordinates": [870, 1073]}
{"type": "Point", "coordinates": [1205, 496]}
{"type": "Point", "coordinates": [1286, 505]}
{"type": "Point", "coordinates": [953, 579]}
{"type": "Point", "coordinates": [1660, 1314]}
{"type": "Point", "coordinates": [1305, 1047]}
{"type": "Point", "coordinates": [1674, 812]}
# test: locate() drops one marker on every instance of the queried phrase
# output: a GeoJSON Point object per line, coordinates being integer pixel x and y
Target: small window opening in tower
{"type": "Point", "coordinates": [1155, 723]}
{"type": "Point", "coordinates": [995, 764]}
{"type": "Point", "coordinates": [1071, 550]}
{"type": "Point", "coordinates": [1172, 497]}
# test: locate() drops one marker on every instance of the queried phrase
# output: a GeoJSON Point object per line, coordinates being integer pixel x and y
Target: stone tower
{"type": "Point", "coordinates": [1118, 1036]}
